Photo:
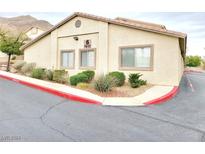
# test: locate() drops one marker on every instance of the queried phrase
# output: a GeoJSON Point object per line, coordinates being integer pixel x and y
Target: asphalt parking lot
{"type": "Point", "coordinates": [27, 114]}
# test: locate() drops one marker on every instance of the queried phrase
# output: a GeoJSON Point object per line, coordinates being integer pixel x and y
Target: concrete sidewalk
{"type": "Point", "coordinates": [153, 95]}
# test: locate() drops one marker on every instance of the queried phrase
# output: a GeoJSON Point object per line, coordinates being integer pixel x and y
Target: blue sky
{"type": "Point", "coordinates": [192, 23]}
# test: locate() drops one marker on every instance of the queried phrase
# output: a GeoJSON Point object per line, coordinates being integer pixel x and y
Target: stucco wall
{"type": "Point", "coordinates": [167, 57]}
{"type": "Point", "coordinates": [3, 57]}
{"type": "Point", "coordinates": [39, 52]}
{"type": "Point", "coordinates": [96, 31]}
{"type": "Point", "coordinates": [68, 43]}
{"type": "Point", "coordinates": [2, 54]}
{"type": "Point", "coordinates": [181, 66]}
{"type": "Point", "coordinates": [31, 35]}
{"type": "Point", "coordinates": [168, 63]}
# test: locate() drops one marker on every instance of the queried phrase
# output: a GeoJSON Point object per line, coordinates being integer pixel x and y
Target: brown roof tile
{"type": "Point", "coordinates": [141, 23]}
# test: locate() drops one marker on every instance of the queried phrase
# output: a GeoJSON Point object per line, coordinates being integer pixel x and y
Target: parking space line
{"type": "Point", "coordinates": [190, 84]}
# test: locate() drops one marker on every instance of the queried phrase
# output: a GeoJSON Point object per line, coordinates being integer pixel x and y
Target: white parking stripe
{"type": "Point", "coordinates": [190, 84]}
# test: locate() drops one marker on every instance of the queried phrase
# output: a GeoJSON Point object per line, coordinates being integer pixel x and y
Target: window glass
{"type": "Point", "coordinates": [142, 57]}
{"type": "Point", "coordinates": [136, 57]}
{"type": "Point", "coordinates": [128, 59]}
{"type": "Point", "coordinates": [88, 58]}
{"type": "Point", "coordinates": [67, 59]}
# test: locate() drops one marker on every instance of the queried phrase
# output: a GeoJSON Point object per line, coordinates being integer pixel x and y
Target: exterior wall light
{"type": "Point", "coordinates": [75, 38]}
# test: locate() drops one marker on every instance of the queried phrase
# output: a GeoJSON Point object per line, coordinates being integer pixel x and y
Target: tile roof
{"type": "Point", "coordinates": [141, 23]}
{"type": "Point", "coordinates": [145, 26]}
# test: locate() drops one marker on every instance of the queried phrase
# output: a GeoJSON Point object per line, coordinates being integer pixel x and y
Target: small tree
{"type": "Point", "coordinates": [10, 45]}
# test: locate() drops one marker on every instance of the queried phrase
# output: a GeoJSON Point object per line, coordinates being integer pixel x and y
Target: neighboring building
{"type": "Point", "coordinates": [33, 32]}
{"type": "Point", "coordinates": [3, 57]}
{"type": "Point", "coordinates": [23, 24]}
{"type": "Point", "coordinates": [83, 41]}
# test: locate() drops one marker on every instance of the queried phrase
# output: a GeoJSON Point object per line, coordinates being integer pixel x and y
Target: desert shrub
{"type": "Point", "coordinates": [85, 77]}
{"type": "Point", "coordinates": [80, 77]}
{"type": "Point", "coordinates": [19, 64]}
{"type": "Point", "coordinates": [27, 68]}
{"type": "Point", "coordinates": [13, 58]}
{"type": "Point", "coordinates": [60, 76]}
{"type": "Point", "coordinates": [90, 74]}
{"type": "Point", "coordinates": [119, 76]}
{"type": "Point", "coordinates": [38, 73]}
{"type": "Point", "coordinates": [82, 85]}
{"type": "Point", "coordinates": [193, 61]}
{"type": "Point", "coordinates": [49, 74]}
{"type": "Point", "coordinates": [135, 81]}
{"type": "Point", "coordinates": [105, 83]}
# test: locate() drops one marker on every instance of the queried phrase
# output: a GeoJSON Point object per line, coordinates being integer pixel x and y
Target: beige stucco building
{"type": "Point", "coordinates": [83, 41]}
{"type": "Point", "coordinates": [33, 32]}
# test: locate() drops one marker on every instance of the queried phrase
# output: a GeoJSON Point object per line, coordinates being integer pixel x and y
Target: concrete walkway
{"type": "Point", "coordinates": [154, 93]}
{"type": "Point", "coordinates": [140, 100]}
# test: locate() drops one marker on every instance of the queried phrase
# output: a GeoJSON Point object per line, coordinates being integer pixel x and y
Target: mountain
{"type": "Point", "coordinates": [20, 24]}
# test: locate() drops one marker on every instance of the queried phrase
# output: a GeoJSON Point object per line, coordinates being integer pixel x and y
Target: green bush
{"type": "Point", "coordinates": [19, 64]}
{"type": "Point", "coordinates": [105, 83]}
{"type": "Point", "coordinates": [119, 76]}
{"type": "Point", "coordinates": [27, 68]}
{"type": "Point", "coordinates": [135, 81]}
{"type": "Point", "coordinates": [90, 74]}
{"type": "Point", "coordinates": [80, 77]}
{"type": "Point", "coordinates": [38, 73]}
{"type": "Point", "coordinates": [49, 74]}
{"type": "Point", "coordinates": [60, 76]}
{"type": "Point", "coordinates": [82, 85]}
{"type": "Point", "coordinates": [193, 61]}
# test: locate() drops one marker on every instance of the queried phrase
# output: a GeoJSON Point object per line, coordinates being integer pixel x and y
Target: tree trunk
{"type": "Point", "coordinates": [8, 63]}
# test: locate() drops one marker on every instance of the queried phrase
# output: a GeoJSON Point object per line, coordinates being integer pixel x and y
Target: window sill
{"type": "Point", "coordinates": [67, 68]}
{"type": "Point", "coordinates": [135, 69]}
{"type": "Point", "coordinates": [84, 68]}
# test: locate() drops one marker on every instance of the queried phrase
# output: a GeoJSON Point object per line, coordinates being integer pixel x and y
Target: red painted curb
{"type": "Point", "coordinates": [164, 98]}
{"type": "Point", "coordinates": [159, 100]}
{"type": "Point", "coordinates": [55, 92]}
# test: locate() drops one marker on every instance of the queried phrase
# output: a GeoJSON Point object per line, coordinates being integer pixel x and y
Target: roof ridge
{"type": "Point", "coordinates": [29, 28]}
{"type": "Point", "coordinates": [93, 16]}
{"type": "Point", "coordinates": [141, 22]}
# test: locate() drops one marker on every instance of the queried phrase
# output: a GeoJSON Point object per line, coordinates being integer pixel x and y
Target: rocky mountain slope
{"type": "Point", "coordinates": [22, 23]}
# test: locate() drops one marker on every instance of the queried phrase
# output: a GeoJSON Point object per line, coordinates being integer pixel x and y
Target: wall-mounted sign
{"type": "Point", "coordinates": [87, 44]}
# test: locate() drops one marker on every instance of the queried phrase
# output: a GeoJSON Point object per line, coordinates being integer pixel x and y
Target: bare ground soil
{"type": "Point", "coordinates": [124, 91]}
